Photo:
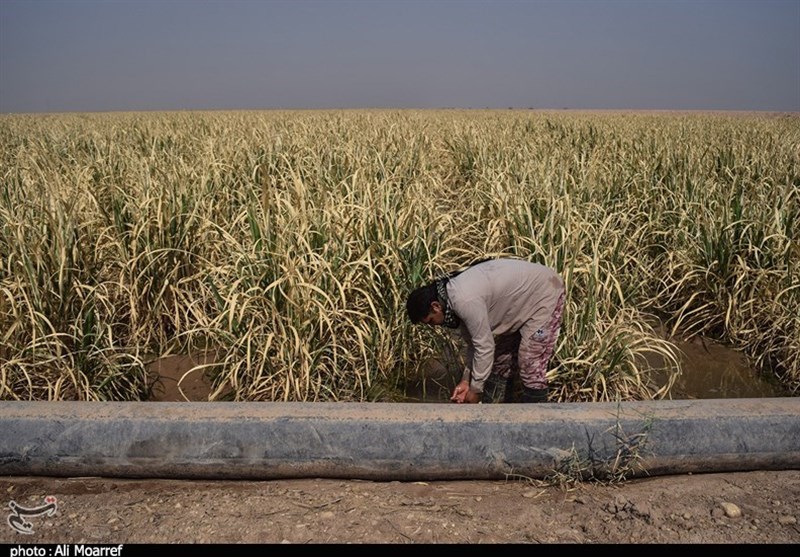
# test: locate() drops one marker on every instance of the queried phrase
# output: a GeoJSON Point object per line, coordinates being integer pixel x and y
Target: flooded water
{"type": "Point", "coordinates": [710, 370]}
{"type": "Point", "coordinates": [180, 378]}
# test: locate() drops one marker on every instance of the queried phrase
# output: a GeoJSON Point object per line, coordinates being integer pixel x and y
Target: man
{"type": "Point", "coordinates": [509, 314]}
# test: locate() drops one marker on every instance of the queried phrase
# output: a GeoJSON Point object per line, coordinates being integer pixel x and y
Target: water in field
{"type": "Point", "coordinates": [179, 379]}
{"type": "Point", "coordinates": [710, 370]}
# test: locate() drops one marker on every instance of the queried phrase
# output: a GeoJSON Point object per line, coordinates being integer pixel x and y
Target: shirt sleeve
{"type": "Point", "coordinates": [469, 355]}
{"type": "Point", "coordinates": [480, 344]}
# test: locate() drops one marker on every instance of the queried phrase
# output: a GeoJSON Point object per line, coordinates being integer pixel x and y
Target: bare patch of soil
{"type": "Point", "coordinates": [743, 507]}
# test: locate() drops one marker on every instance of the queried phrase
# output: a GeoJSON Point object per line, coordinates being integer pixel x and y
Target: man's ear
{"type": "Point", "coordinates": [436, 306]}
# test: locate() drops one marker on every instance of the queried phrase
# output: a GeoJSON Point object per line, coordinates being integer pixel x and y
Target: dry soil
{"type": "Point", "coordinates": [744, 507]}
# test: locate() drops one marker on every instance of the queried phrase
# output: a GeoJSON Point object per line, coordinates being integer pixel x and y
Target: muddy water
{"type": "Point", "coordinates": [710, 370]}
{"type": "Point", "coordinates": [180, 378]}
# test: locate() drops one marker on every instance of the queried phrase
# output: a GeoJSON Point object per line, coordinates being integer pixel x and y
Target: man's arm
{"type": "Point", "coordinates": [480, 344]}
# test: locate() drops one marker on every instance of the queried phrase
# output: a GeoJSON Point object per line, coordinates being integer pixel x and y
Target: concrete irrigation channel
{"type": "Point", "coordinates": [395, 441]}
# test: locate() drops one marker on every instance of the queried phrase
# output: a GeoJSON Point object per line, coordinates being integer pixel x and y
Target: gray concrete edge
{"type": "Point", "coordinates": [397, 441]}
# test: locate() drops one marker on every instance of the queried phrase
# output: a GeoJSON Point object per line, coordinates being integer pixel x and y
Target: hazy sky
{"type": "Point", "coordinates": [100, 55]}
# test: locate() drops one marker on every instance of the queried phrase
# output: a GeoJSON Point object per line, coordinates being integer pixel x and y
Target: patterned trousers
{"type": "Point", "coordinates": [526, 352]}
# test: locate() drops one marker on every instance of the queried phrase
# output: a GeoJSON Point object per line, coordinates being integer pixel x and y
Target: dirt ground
{"type": "Point", "coordinates": [743, 507]}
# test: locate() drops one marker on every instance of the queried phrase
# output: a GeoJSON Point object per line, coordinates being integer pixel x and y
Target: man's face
{"type": "Point", "coordinates": [435, 316]}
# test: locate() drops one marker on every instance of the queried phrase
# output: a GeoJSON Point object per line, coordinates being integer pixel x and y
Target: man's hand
{"type": "Point", "coordinates": [462, 393]}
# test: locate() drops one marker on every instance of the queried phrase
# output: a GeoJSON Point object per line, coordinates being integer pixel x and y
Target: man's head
{"type": "Point", "coordinates": [423, 306]}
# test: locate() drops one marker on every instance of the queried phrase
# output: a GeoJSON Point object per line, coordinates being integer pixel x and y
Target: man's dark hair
{"type": "Point", "coordinates": [418, 304]}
